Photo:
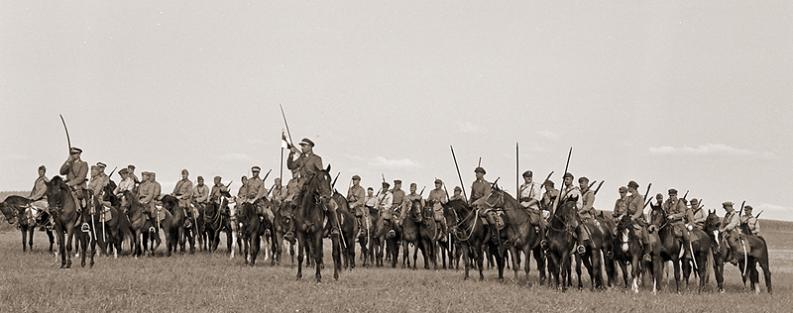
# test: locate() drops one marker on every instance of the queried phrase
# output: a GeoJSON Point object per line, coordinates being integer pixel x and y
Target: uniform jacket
{"type": "Point", "coordinates": [307, 163]}
{"type": "Point", "coordinates": [39, 188]}
{"type": "Point", "coordinates": [76, 172]}
{"type": "Point", "coordinates": [356, 196]}
{"type": "Point", "coordinates": [479, 188]}
{"type": "Point", "coordinates": [201, 193]}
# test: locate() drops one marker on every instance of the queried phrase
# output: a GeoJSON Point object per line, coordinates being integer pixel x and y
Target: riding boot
{"type": "Point", "coordinates": [444, 230]}
{"type": "Point", "coordinates": [584, 239]}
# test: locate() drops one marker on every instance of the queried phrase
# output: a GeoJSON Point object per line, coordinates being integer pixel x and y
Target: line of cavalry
{"type": "Point", "coordinates": [615, 242]}
{"type": "Point", "coordinates": [492, 225]}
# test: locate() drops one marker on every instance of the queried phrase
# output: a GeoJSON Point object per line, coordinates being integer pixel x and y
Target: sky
{"type": "Point", "coordinates": [695, 96]}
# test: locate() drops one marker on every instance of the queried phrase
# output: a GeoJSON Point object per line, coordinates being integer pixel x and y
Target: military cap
{"type": "Point", "coordinates": [673, 191]}
{"type": "Point", "coordinates": [306, 141]}
{"type": "Point", "coordinates": [42, 167]}
{"type": "Point", "coordinates": [633, 184]}
{"type": "Point", "coordinates": [694, 200]}
{"type": "Point", "coordinates": [413, 185]}
{"type": "Point", "coordinates": [386, 184]}
{"type": "Point", "coordinates": [438, 181]}
{"type": "Point", "coordinates": [356, 177]}
{"type": "Point", "coordinates": [747, 208]}
{"type": "Point", "coordinates": [727, 204]}
{"type": "Point", "coordinates": [528, 174]}
{"type": "Point", "coordinates": [131, 166]}
{"type": "Point", "coordinates": [93, 167]}
{"type": "Point", "coordinates": [184, 171]}
{"type": "Point", "coordinates": [623, 189]}
{"type": "Point", "coordinates": [397, 182]}
{"type": "Point", "coordinates": [101, 165]}
{"type": "Point", "coordinates": [256, 168]}
{"type": "Point", "coordinates": [568, 174]}
{"type": "Point", "coordinates": [218, 178]}
{"type": "Point", "coordinates": [123, 171]}
{"type": "Point", "coordinates": [370, 188]}
{"type": "Point", "coordinates": [75, 150]}
{"type": "Point", "coordinates": [200, 178]}
{"type": "Point", "coordinates": [549, 183]}
{"type": "Point", "coordinates": [480, 169]}
{"type": "Point", "coordinates": [457, 188]}
{"type": "Point", "coordinates": [582, 179]}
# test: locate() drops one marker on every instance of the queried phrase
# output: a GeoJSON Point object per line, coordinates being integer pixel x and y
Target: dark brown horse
{"type": "Point", "coordinates": [561, 230]}
{"type": "Point", "coordinates": [521, 236]}
{"type": "Point", "coordinates": [140, 226]}
{"type": "Point", "coordinates": [173, 225]}
{"type": "Point", "coordinates": [13, 208]}
{"type": "Point", "coordinates": [671, 245]}
{"type": "Point", "coordinates": [216, 219]}
{"type": "Point", "coordinates": [411, 234]}
{"type": "Point", "coordinates": [310, 219]}
{"type": "Point", "coordinates": [110, 233]}
{"type": "Point", "coordinates": [349, 228]}
{"type": "Point", "coordinates": [283, 230]}
{"type": "Point", "coordinates": [251, 231]}
{"type": "Point", "coordinates": [472, 235]}
{"type": "Point", "coordinates": [756, 252]}
{"type": "Point", "coordinates": [64, 210]}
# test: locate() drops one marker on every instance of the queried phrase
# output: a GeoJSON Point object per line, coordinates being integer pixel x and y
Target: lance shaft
{"type": "Point", "coordinates": [462, 185]}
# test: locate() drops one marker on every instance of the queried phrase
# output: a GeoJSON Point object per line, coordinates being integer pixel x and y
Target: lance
{"type": "Point", "coordinates": [480, 162]}
{"type": "Point", "coordinates": [517, 170]}
{"type": "Point", "coordinates": [546, 179]}
{"type": "Point", "coordinates": [113, 172]}
{"type": "Point", "coordinates": [68, 140]}
{"type": "Point", "coordinates": [758, 214]}
{"type": "Point", "coordinates": [286, 124]}
{"type": "Point", "coordinates": [566, 167]}
{"type": "Point", "coordinates": [465, 197]}
{"type": "Point", "coordinates": [599, 185]}
{"type": "Point", "coordinates": [422, 190]}
{"type": "Point", "coordinates": [281, 175]}
{"type": "Point", "coordinates": [741, 211]}
{"type": "Point", "coordinates": [383, 176]}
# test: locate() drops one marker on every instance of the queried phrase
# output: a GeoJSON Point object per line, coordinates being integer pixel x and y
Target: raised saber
{"type": "Point", "coordinates": [517, 170]}
{"type": "Point", "coordinates": [287, 125]}
{"type": "Point", "coordinates": [566, 167]}
{"type": "Point", "coordinates": [462, 185]}
{"type": "Point", "coordinates": [68, 140]}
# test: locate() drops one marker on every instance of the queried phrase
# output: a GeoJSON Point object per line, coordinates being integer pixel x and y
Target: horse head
{"type": "Point", "coordinates": [10, 214]}
{"type": "Point", "coordinates": [624, 228]}
{"type": "Point", "coordinates": [658, 216]}
{"type": "Point", "coordinates": [58, 193]}
{"type": "Point", "coordinates": [415, 210]}
{"type": "Point", "coordinates": [170, 203]}
{"type": "Point", "coordinates": [712, 225]}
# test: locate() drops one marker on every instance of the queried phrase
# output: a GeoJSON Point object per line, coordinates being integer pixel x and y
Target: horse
{"type": "Point", "coordinates": [472, 235]}
{"type": "Point", "coordinates": [173, 225]}
{"type": "Point", "coordinates": [283, 229]}
{"type": "Point", "coordinates": [561, 230]}
{"type": "Point", "coordinates": [410, 234]}
{"type": "Point", "coordinates": [216, 219]}
{"type": "Point", "coordinates": [756, 252]}
{"type": "Point", "coordinates": [450, 248]}
{"type": "Point", "coordinates": [110, 232]}
{"type": "Point", "coordinates": [429, 234]}
{"type": "Point", "coordinates": [64, 211]}
{"type": "Point", "coordinates": [628, 251]}
{"type": "Point", "coordinates": [142, 228]}
{"type": "Point", "coordinates": [521, 235]}
{"type": "Point", "coordinates": [595, 253]}
{"type": "Point", "coordinates": [194, 227]}
{"type": "Point", "coordinates": [699, 247]}
{"type": "Point", "coordinates": [349, 228]}
{"type": "Point", "coordinates": [387, 238]}
{"type": "Point", "coordinates": [251, 231]}
{"type": "Point", "coordinates": [13, 209]}
{"type": "Point", "coordinates": [309, 220]}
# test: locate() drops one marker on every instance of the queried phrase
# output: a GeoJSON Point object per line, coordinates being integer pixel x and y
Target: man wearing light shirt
{"type": "Point", "coordinates": [530, 197]}
{"type": "Point", "coordinates": [384, 202]}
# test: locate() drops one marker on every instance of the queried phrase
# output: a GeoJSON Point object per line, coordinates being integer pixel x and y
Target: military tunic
{"type": "Point", "coordinates": [76, 173]}
{"type": "Point", "coordinates": [437, 198]}
{"type": "Point", "coordinates": [385, 201]}
{"type": "Point", "coordinates": [307, 164]}
{"type": "Point", "coordinates": [752, 223]}
{"type": "Point", "coordinates": [530, 192]}
{"type": "Point", "coordinates": [147, 192]}
{"type": "Point", "coordinates": [215, 194]}
{"type": "Point", "coordinates": [356, 196]}
{"type": "Point", "coordinates": [587, 211]}
{"type": "Point", "coordinates": [201, 193]}
{"type": "Point", "coordinates": [620, 207]}
{"type": "Point", "coordinates": [479, 188]}
{"type": "Point", "coordinates": [184, 189]}
{"type": "Point", "coordinates": [255, 189]}
{"type": "Point", "coordinates": [96, 184]}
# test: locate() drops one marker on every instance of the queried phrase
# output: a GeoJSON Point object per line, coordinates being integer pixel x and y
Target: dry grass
{"type": "Point", "coordinates": [32, 282]}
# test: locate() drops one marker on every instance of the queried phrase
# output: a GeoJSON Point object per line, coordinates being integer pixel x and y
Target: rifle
{"type": "Point", "coordinates": [265, 176]}
{"type": "Point", "coordinates": [546, 179]}
{"type": "Point", "coordinates": [741, 211]}
{"type": "Point", "coordinates": [333, 184]}
{"type": "Point", "coordinates": [113, 172]}
{"type": "Point", "coordinates": [465, 196]}
{"type": "Point", "coordinates": [599, 185]}
{"type": "Point", "coordinates": [480, 162]}
{"type": "Point", "coordinates": [645, 196]}
{"type": "Point", "coordinates": [422, 190]}
{"type": "Point", "coordinates": [685, 195]}
{"type": "Point", "coordinates": [758, 214]}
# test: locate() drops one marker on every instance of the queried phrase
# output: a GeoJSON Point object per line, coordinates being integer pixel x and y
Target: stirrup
{"type": "Point", "coordinates": [85, 228]}
{"type": "Point", "coordinates": [581, 249]}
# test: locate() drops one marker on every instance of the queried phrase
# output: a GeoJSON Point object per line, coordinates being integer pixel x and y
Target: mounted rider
{"type": "Point", "coordinates": [530, 196]}
{"type": "Point", "coordinates": [408, 202]}
{"type": "Point", "coordinates": [200, 192]}
{"type": "Point", "coordinates": [278, 192]}
{"type": "Point", "coordinates": [572, 193]}
{"type": "Point", "coordinates": [38, 198]}
{"type": "Point", "coordinates": [677, 214]}
{"type": "Point", "coordinates": [437, 198]}
{"type": "Point", "coordinates": [480, 188]}
{"type": "Point", "coordinates": [730, 228]}
{"type": "Point", "coordinates": [750, 221]}
{"type": "Point", "coordinates": [384, 204]}
{"type": "Point", "coordinates": [148, 191]}
{"type": "Point", "coordinates": [127, 183]}
{"type": "Point", "coordinates": [458, 194]}
{"type": "Point", "coordinates": [549, 197]}
{"type": "Point", "coordinates": [697, 217]}
{"type": "Point", "coordinates": [76, 171]}
{"type": "Point", "coordinates": [399, 203]}
{"type": "Point", "coordinates": [184, 192]}
{"type": "Point", "coordinates": [356, 197]}
{"type": "Point", "coordinates": [308, 164]}
{"type": "Point", "coordinates": [636, 211]}
{"type": "Point", "coordinates": [218, 189]}
{"type": "Point", "coordinates": [621, 205]}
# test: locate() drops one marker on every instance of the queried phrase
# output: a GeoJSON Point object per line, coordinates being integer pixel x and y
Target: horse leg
{"type": "Point", "coordinates": [676, 265]}
{"type": "Point", "coordinates": [753, 275]}
{"type": "Point", "coordinates": [50, 237]}
{"type": "Point", "coordinates": [84, 238]}
{"type": "Point", "coordinates": [480, 260]}
{"type": "Point", "coordinates": [635, 271]}
{"type": "Point", "coordinates": [766, 272]}
{"type": "Point", "coordinates": [255, 246]}
{"type": "Point", "coordinates": [69, 236]}
{"type": "Point", "coordinates": [301, 242]}
{"type": "Point", "coordinates": [59, 231]}
{"type": "Point", "coordinates": [624, 269]}
{"type": "Point", "coordinates": [317, 252]}
{"type": "Point", "coordinates": [24, 232]}
{"type": "Point", "coordinates": [578, 261]}
{"type": "Point", "coordinates": [500, 262]}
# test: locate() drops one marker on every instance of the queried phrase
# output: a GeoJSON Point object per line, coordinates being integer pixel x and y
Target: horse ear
{"type": "Point", "coordinates": [328, 169]}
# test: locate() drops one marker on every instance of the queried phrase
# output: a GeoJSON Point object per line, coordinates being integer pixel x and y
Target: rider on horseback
{"type": "Point", "coordinates": [437, 198]}
{"type": "Point", "coordinates": [148, 191]}
{"type": "Point", "coordinates": [38, 198]}
{"type": "Point", "coordinates": [76, 171]}
{"type": "Point", "coordinates": [385, 201]}
{"type": "Point", "coordinates": [573, 193]}
{"type": "Point", "coordinates": [730, 227]}
{"type": "Point", "coordinates": [309, 164]}
{"type": "Point", "coordinates": [750, 221]}
{"type": "Point", "coordinates": [480, 188]}
{"type": "Point", "coordinates": [636, 212]}
{"type": "Point", "coordinates": [677, 213]}
{"type": "Point", "coordinates": [356, 197]}
{"type": "Point", "coordinates": [530, 196]}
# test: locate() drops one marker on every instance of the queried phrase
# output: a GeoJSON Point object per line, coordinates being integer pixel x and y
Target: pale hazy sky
{"type": "Point", "coordinates": [692, 95]}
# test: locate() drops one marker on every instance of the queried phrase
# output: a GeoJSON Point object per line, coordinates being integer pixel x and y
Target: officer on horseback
{"type": "Point", "coordinates": [217, 190]}
{"type": "Point", "coordinates": [730, 228]}
{"type": "Point", "coordinates": [676, 212]}
{"type": "Point", "coordinates": [308, 164]}
{"type": "Point", "coordinates": [437, 198]}
{"type": "Point", "coordinates": [480, 188]}
{"type": "Point", "coordinates": [76, 171]}
{"type": "Point", "coordinates": [572, 193]}
{"type": "Point", "coordinates": [38, 198]}
{"type": "Point", "coordinates": [636, 212]}
{"type": "Point", "coordinates": [385, 201]}
{"type": "Point", "coordinates": [458, 194]}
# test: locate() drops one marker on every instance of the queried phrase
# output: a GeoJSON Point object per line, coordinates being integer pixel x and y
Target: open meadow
{"type": "Point", "coordinates": [32, 282]}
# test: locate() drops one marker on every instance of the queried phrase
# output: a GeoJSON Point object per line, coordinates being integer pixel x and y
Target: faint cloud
{"type": "Point", "coordinates": [383, 162]}
{"type": "Point", "coordinates": [547, 134]}
{"type": "Point", "coordinates": [469, 128]}
{"type": "Point", "coordinates": [235, 156]}
{"type": "Point", "coordinates": [709, 149]}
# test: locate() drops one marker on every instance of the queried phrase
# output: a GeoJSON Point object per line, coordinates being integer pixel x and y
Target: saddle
{"type": "Point", "coordinates": [535, 216]}
{"type": "Point", "coordinates": [499, 222]}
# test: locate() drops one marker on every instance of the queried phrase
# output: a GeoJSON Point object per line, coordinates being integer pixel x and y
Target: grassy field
{"type": "Point", "coordinates": [32, 282]}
